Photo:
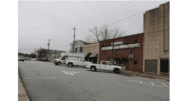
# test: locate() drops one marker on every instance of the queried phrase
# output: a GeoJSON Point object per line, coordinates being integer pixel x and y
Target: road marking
{"type": "Point", "coordinates": [99, 98]}
{"type": "Point", "coordinates": [164, 85]}
{"type": "Point", "coordinates": [158, 84]}
{"type": "Point", "coordinates": [70, 73]}
{"type": "Point", "coordinates": [152, 83]}
{"type": "Point", "coordinates": [67, 82]}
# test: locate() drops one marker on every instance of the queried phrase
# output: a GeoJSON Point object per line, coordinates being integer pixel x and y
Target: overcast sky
{"type": "Point", "coordinates": [39, 21]}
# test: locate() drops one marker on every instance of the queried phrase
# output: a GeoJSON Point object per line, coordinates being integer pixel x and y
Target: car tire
{"type": "Point", "coordinates": [70, 64]}
{"type": "Point", "coordinates": [93, 69]}
{"type": "Point", "coordinates": [59, 63]}
{"type": "Point", "coordinates": [116, 70]}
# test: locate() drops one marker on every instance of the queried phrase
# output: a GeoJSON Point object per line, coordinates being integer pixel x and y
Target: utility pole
{"type": "Point", "coordinates": [48, 48]}
{"type": "Point", "coordinates": [74, 38]}
{"type": "Point", "coordinates": [112, 52]}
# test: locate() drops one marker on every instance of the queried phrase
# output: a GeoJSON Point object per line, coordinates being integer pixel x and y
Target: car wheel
{"type": "Point", "coordinates": [116, 70]}
{"type": "Point", "coordinates": [59, 63]}
{"type": "Point", "coordinates": [93, 69]}
{"type": "Point", "coordinates": [70, 64]}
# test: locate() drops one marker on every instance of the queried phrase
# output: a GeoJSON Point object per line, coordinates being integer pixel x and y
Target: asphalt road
{"type": "Point", "coordinates": [45, 81]}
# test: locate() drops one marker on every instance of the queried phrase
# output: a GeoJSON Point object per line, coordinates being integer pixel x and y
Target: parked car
{"type": "Point", "coordinates": [21, 59]}
{"type": "Point", "coordinates": [105, 65]}
{"type": "Point", "coordinates": [33, 59]}
{"type": "Point", "coordinates": [68, 56]}
{"type": "Point", "coordinates": [59, 61]}
{"type": "Point", "coordinates": [76, 62]}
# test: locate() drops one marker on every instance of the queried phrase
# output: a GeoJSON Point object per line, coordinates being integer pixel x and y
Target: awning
{"type": "Point", "coordinates": [93, 55]}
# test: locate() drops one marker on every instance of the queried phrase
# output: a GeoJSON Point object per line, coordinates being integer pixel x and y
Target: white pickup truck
{"type": "Point", "coordinates": [59, 61]}
{"type": "Point", "coordinates": [105, 65]}
{"type": "Point", "coordinates": [76, 62]}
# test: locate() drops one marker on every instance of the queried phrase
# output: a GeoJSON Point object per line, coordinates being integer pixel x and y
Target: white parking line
{"type": "Point", "coordinates": [158, 84]}
{"type": "Point", "coordinates": [164, 85]}
{"type": "Point", "coordinates": [152, 83]}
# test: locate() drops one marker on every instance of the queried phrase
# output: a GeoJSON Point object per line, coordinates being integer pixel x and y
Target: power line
{"type": "Point", "coordinates": [105, 13]}
{"type": "Point", "coordinates": [109, 16]}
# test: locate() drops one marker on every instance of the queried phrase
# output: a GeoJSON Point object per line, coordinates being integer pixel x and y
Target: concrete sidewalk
{"type": "Point", "coordinates": [22, 95]}
{"type": "Point", "coordinates": [151, 76]}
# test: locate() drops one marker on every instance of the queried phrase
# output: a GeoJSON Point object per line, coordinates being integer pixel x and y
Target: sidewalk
{"type": "Point", "coordinates": [151, 76]}
{"type": "Point", "coordinates": [22, 95]}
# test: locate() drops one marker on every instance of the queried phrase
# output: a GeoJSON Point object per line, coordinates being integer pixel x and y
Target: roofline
{"type": "Point", "coordinates": [122, 37]}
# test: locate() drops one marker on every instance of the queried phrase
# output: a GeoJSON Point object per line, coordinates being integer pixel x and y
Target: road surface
{"type": "Point", "coordinates": [44, 81]}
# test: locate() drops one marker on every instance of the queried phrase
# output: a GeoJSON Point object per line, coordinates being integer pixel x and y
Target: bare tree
{"type": "Point", "coordinates": [103, 33]}
{"type": "Point", "coordinates": [71, 47]}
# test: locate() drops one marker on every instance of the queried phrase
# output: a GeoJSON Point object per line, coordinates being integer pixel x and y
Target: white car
{"type": "Point", "coordinates": [33, 59]}
{"type": "Point", "coordinates": [105, 65]}
{"type": "Point", "coordinates": [76, 62]}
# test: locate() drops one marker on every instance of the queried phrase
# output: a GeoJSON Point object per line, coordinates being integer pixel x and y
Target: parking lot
{"type": "Point", "coordinates": [45, 81]}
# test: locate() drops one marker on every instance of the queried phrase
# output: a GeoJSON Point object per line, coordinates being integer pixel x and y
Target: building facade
{"type": "Point", "coordinates": [79, 46]}
{"type": "Point", "coordinates": [156, 40]}
{"type": "Point", "coordinates": [54, 56]}
{"type": "Point", "coordinates": [45, 54]}
{"type": "Point", "coordinates": [91, 52]}
{"type": "Point", "coordinates": [127, 50]}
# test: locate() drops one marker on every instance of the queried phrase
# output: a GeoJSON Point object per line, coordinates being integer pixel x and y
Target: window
{"type": "Point", "coordinates": [107, 63]}
{"type": "Point", "coordinates": [81, 49]}
{"type": "Point", "coordinates": [135, 62]}
{"type": "Point", "coordinates": [104, 63]}
{"type": "Point", "coordinates": [104, 53]}
{"type": "Point", "coordinates": [132, 52]}
{"type": "Point", "coordinates": [116, 52]}
{"type": "Point", "coordinates": [135, 41]}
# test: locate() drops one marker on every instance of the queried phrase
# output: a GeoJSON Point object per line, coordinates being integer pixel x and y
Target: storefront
{"type": "Point", "coordinates": [127, 50]}
{"type": "Point", "coordinates": [91, 52]}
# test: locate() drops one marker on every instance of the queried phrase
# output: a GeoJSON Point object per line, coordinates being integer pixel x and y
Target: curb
{"type": "Point", "coordinates": [22, 95]}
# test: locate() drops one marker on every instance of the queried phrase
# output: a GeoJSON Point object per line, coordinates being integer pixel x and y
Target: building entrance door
{"type": "Point", "coordinates": [164, 65]}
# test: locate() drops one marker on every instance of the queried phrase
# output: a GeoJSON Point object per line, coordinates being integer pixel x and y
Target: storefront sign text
{"type": "Point", "coordinates": [121, 46]}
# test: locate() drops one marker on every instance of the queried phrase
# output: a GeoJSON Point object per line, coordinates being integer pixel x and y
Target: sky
{"type": "Point", "coordinates": [41, 20]}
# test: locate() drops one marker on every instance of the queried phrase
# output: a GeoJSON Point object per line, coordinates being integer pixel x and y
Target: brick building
{"type": "Point", "coordinates": [128, 50]}
{"type": "Point", "coordinates": [43, 53]}
{"type": "Point", "coordinates": [156, 40]}
{"type": "Point", "coordinates": [92, 52]}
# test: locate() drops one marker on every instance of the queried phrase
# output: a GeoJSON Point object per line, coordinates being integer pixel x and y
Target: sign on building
{"type": "Point", "coordinates": [117, 43]}
{"type": "Point", "coordinates": [121, 46]}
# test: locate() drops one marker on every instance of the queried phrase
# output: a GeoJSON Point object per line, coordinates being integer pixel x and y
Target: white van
{"type": "Point", "coordinates": [68, 56]}
{"type": "Point", "coordinates": [59, 61]}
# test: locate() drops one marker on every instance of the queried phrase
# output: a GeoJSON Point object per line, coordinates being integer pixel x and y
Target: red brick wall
{"type": "Point", "coordinates": [123, 53]}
